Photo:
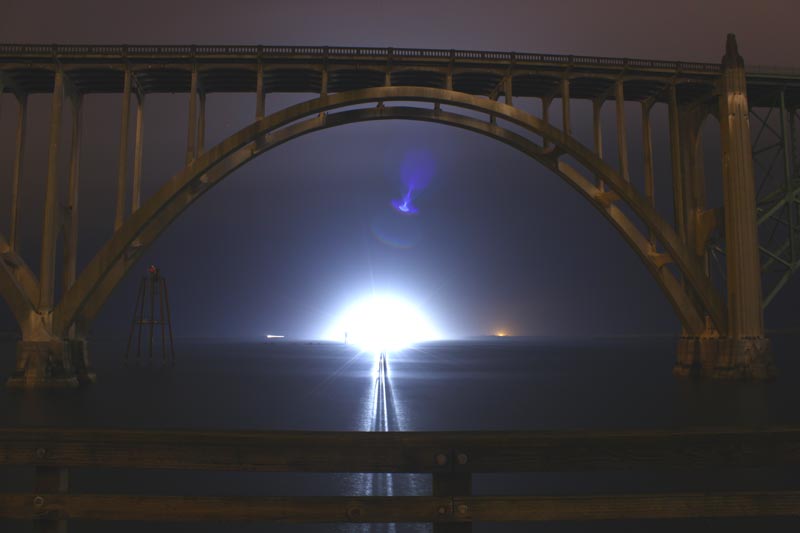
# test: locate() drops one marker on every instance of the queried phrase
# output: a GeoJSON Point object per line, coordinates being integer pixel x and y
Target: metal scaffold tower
{"type": "Point", "coordinates": [154, 287]}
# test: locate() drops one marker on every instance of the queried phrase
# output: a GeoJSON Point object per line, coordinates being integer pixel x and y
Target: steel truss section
{"type": "Point", "coordinates": [776, 166]}
{"type": "Point", "coordinates": [777, 173]}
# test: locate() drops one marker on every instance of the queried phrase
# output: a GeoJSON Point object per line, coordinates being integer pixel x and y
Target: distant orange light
{"type": "Point", "coordinates": [501, 333]}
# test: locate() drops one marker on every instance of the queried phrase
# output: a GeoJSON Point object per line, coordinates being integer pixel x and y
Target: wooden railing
{"type": "Point", "coordinates": [450, 457]}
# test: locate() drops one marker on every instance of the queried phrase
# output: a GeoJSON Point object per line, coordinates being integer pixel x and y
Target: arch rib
{"type": "Point", "coordinates": [84, 299]}
{"type": "Point", "coordinates": [16, 285]}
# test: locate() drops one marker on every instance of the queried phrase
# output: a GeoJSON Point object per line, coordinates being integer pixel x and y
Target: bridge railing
{"type": "Point", "coordinates": [253, 52]}
{"type": "Point", "coordinates": [771, 70]}
{"type": "Point", "coordinates": [451, 458]}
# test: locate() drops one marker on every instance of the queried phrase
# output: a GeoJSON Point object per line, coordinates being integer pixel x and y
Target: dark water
{"type": "Point", "coordinates": [503, 384]}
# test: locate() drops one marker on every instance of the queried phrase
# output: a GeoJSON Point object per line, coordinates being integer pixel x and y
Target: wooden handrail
{"type": "Point", "coordinates": [451, 457]}
{"type": "Point", "coordinates": [421, 452]}
{"type": "Point", "coordinates": [395, 509]}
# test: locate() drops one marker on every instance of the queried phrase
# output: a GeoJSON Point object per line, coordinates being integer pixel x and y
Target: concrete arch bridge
{"type": "Point", "coordinates": [722, 330]}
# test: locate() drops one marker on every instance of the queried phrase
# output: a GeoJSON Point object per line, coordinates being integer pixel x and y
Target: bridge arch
{"type": "Point", "coordinates": [83, 300]}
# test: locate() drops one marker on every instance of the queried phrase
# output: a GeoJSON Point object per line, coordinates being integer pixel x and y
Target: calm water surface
{"type": "Point", "coordinates": [503, 384]}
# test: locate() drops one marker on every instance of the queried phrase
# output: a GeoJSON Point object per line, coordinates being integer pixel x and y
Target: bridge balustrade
{"type": "Point", "coordinates": [142, 51]}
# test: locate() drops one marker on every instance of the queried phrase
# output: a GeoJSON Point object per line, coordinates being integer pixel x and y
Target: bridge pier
{"type": "Point", "coordinates": [724, 358]}
{"type": "Point", "coordinates": [743, 352]}
{"type": "Point", "coordinates": [57, 363]}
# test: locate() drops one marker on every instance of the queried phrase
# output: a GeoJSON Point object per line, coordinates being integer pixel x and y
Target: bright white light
{"type": "Point", "coordinates": [382, 322]}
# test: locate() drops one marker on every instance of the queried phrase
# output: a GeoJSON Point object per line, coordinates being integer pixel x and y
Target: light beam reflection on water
{"type": "Point", "coordinates": [382, 412]}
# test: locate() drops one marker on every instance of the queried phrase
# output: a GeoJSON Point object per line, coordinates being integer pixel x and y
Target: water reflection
{"type": "Point", "coordinates": [378, 414]}
{"type": "Point", "coordinates": [381, 412]}
{"type": "Point", "coordinates": [725, 403]}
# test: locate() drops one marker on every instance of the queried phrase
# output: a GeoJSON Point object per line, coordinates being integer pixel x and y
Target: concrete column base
{"type": "Point", "coordinates": [52, 364]}
{"type": "Point", "coordinates": [724, 358]}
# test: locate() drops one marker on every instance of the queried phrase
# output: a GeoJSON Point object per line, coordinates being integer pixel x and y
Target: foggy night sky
{"type": "Point", "coordinates": [290, 239]}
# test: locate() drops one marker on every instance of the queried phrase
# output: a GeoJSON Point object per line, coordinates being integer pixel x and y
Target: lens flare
{"type": "Point", "coordinates": [382, 323]}
{"type": "Point", "coordinates": [416, 173]}
{"type": "Point", "coordinates": [404, 205]}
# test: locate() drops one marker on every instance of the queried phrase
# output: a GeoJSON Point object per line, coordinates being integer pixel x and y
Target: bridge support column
{"type": "Point", "coordinates": [201, 125]}
{"type": "Point", "coordinates": [71, 226]}
{"type": "Point", "coordinates": [565, 107]}
{"type": "Point", "coordinates": [649, 177]}
{"type": "Point", "coordinates": [597, 133]}
{"type": "Point", "coordinates": [136, 194]}
{"type": "Point", "coordinates": [192, 135]}
{"type": "Point", "coordinates": [622, 137]}
{"type": "Point", "coordinates": [122, 163]}
{"type": "Point", "coordinates": [675, 161]}
{"type": "Point", "coordinates": [546, 101]}
{"type": "Point", "coordinates": [260, 91]}
{"type": "Point", "coordinates": [47, 271]}
{"type": "Point", "coordinates": [743, 352]}
{"type": "Point", "coordinates": [16, 177]}
{"type": "Point", "coordinates": [43, 358]}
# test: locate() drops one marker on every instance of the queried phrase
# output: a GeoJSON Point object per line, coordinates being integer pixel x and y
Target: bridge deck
{"type": "Point", "coordinates": [27, 69]}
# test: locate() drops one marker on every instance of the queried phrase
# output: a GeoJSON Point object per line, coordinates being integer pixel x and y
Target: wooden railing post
{"type": "Point", "coordinates": [49, 480]}
{"type": "Point", "coordinates": [454, 485]}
